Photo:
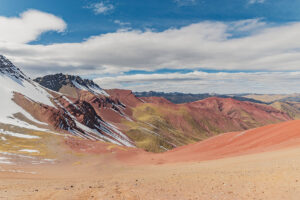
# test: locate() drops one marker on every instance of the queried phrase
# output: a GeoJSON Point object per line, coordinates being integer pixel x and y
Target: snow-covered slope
{"type": "Point", "coordinates": [21, 95]}
{"type": "Point", "coordinates": [12, 81]}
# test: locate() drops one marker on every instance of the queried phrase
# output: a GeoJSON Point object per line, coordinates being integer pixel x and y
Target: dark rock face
{"type": "Point", "coordinates": [9, 69]}
{"type": "Point", "coordinates": [57, 81]}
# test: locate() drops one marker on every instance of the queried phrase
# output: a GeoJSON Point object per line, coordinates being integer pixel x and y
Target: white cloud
{"type": "Point", "coordinates": [256, 1]}
{"type": "Point", "coordinates": [207, 45]}
{"type": "Point", "coordinates": [28, 26]}
{"type": "Point", "coordinates": [202, 82]}
{"type": "Point", "coordinates": [101, 7]}
{"type": "Point", "coordinates": [121, 23]}
{"type": "Point", "coordinates": [247, 25]}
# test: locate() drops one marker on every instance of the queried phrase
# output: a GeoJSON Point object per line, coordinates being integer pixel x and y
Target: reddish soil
{"type": "Point", "coordinates": [125, 96]}
{"type": "Point", "coordinates": [264, 139]}
{"type": "Point", "coordinates": [229, 105]}
{"type": "Point", "coordinates": [91, 170]}
{"type": "Point", "coordinates": [212, 116]}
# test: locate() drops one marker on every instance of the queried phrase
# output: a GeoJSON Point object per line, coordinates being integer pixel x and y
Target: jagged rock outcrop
{"type": "Point", "coordinates": [57, 82]}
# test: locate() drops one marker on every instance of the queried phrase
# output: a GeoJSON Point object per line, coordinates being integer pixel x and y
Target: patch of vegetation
{"type": "Point", "coordinates": [154, 130]}
{"type": "Point", "coordinates": [148, 141]}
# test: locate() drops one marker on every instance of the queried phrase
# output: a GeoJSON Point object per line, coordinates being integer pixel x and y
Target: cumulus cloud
{"type": "Point", "coordinates": [207, 45]}
{"type": "Point", "coordinates": [101, 7]}
{"type": "Point", "coordinates": [202, 82]}
{"type": "Point", "coordinates": [28, 26]}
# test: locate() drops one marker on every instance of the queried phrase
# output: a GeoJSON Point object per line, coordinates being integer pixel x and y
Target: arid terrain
{"type": "Point", "coordinates": [64, 137]}
{"type": "Point", "coordinates": [149, 100]}
{"type": "Point", "coordinates": [272, 175]}
{"type": "Point", "coordinates": [97, 170]}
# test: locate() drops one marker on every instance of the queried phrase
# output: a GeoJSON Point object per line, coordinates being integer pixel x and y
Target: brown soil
{"type": "Point", "coordinates": [260, 164]}
{"type": "Point", "coordinates": [272, 175]}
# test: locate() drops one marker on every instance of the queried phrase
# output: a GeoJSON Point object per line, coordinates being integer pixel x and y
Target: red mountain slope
{"type": "Point", "coordinates": [267, 138]}
{"type": "Point", "coordinates": [264, 139]}
{"type": "Point", "coordinates": [151, 123]}
{"type": "Point", "coordinates": [156, 120]}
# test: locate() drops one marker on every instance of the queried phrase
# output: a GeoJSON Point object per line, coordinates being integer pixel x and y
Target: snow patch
{"type": "Point", "coordinates": [16, 171]}
{"type": "Point", "coordinates": [70, 102]}
{"type": "Point", "coordinates": [30, 150]}
{"type": "Point", "coordinates": [8, 86]}
{"type": "Point", "coordinates": [92, 89]}
{"type": "Point", "coordinates": [16, 155]}
{"type": "Point", "coordinates": [4, 160]}
{"type": "Point", "coordinates": [19, 135]}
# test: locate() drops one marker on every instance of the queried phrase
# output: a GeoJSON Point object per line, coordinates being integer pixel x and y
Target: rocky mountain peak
{"type": "Point", "coordinates": [9, 69]}
{"type": "Point", "coordinates": [57, 81]}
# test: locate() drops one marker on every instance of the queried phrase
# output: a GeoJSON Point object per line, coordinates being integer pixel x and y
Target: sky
{"type": "Point", "coordinates": [190, 46]}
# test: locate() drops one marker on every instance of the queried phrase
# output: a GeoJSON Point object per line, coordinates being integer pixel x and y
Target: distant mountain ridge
{"type": "Point", "coordinates": [178, 98]}
{"type": "Point", "coordinates": [272, 98]}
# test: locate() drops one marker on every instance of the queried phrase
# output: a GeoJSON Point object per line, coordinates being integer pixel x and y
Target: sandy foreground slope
{"type": "Point", "coordinates": [101, 174]}
{"type": "Point", "coordinates": [273, 175]}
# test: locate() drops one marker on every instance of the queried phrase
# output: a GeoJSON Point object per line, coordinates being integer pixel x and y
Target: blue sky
{"type": "Point", "coordinates": [157, 40]}
{"type": "Point", "coordinates": [148, 14]}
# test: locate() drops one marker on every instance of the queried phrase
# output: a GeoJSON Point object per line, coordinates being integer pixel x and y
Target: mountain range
{"type": "Point", "coordinates": [64, 137]}
{"type": "Point", "coordinates": [178, 98]}
{"type": "Point", "coordinates": [71, 105]}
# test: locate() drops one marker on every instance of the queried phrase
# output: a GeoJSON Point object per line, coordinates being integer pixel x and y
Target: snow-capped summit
{"type": "Point", "coordinates": [9, 69]}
